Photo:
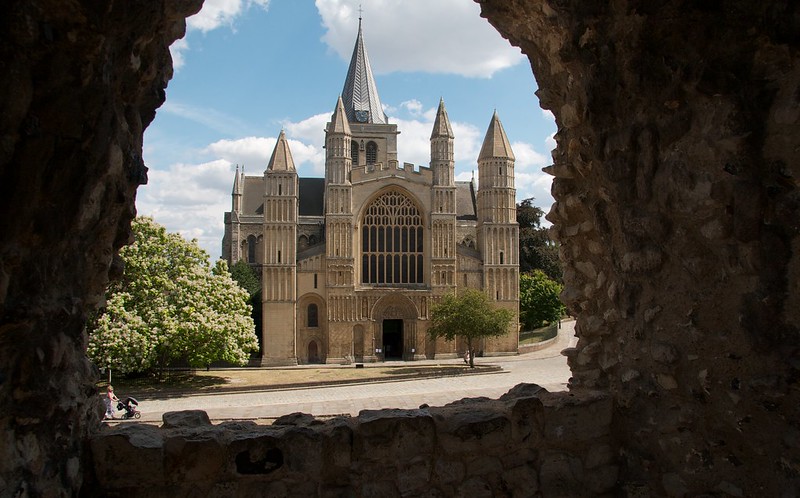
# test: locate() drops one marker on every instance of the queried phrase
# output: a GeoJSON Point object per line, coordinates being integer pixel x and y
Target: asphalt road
{"type": "Point", "coordinates": [546, 367]}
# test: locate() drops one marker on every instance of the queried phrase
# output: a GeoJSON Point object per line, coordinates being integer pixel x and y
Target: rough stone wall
{"type": "Point", "coordinates": [527, 443]}
{"type": "Point", "coordinates": [676, 181]}
{"type": "Point", "coordinates": [80, 81]}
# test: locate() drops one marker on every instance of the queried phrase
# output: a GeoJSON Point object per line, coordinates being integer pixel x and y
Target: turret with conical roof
{"type": "Point", "coordinates": [279, 272]}
{"type": "Point", "coordinates": [360, 94]}
{"type": "Point", "coordinates": [443, 203]}
{"type": "Point", "coordinates": [498, 231]}
{"type": "Point", "coordinates": [281, 159]}
{"type": "Point", "coordinates": [442, 137]}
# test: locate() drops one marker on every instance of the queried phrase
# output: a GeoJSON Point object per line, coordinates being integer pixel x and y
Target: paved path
{"type": "Point", "coordinates": [546, 367]}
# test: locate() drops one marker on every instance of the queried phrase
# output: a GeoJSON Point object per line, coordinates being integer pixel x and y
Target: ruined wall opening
{"type": "Point", "coordinates": [677, 208]}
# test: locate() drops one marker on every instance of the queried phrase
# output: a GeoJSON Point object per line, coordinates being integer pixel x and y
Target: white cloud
{"type": "Point", "coordinates": [527, 157]}
{"type": "Point", "coordinates": [445, 36]}
{"type": "Point", "coordinates": [216, 13]}
{"type": "Point", "coordinates": [311, 130]}
{"type": "Point", "coordinates": [550, 142]}
{"type": "Point", "coordinates": [178, 50]}
{"type": "Point", "coordinates": [190, 199]}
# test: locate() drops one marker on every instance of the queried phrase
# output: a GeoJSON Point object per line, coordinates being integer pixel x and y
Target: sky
{"type": "Point", "coordinates": [247, 69]}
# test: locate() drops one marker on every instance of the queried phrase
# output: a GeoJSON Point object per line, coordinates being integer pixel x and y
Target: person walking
{"type": "Point", "coordinates": [111, 401]}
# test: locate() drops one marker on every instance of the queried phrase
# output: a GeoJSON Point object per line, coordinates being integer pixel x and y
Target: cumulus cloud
{"type": "Point", "coordinates": [189, 199]}
{"type": "Point", "coordinates": [448, 36]}
{"type": "Point", "coordinates": [216, 13]}
{"type": "Point", "coordinates": [178, 50]}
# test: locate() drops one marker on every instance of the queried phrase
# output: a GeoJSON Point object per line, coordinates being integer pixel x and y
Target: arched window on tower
{"type": "Point", "coordinates": [372, 152]}
{"type": "Point", "coordinates": [251, 248]}
{"type": "Point", "coordinates": [312, 315]}
{"type": "Point", "coordinates": [354, 152]}
{"type": "Point", "coordinates": [502, 258]}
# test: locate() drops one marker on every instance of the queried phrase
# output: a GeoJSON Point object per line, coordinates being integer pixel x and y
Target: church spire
{"type": "Point", "coordinates": [360, 94]}
{"type": "Point", "coordinates": [281, 159]}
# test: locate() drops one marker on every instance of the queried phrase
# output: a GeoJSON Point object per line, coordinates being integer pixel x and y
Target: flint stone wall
{"type": "Point", "coordinates": [79, 82]}
{"type": "Point", "coordinates": [527, 443]}
{"type": "Point", "coordinates": [678, 213]}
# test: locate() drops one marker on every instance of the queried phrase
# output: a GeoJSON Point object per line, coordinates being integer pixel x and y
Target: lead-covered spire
{"type": "Point", "coordinates": [360, 94]}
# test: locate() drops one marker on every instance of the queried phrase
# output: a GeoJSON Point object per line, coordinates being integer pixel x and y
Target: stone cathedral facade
{"type": "Point", "coordinates": [351, 263]}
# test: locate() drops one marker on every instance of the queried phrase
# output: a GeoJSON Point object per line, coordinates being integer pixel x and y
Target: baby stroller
{"type": "Point", "coordinates": [129, 405]}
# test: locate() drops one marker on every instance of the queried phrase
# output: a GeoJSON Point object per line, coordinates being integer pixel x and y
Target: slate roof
{"type": "Point", "coordinates": [312, 196]}
{"type": "Point", "coordinates": [465, 201]}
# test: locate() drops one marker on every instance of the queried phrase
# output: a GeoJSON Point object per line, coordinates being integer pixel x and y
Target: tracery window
{"type": "Point", "coordinates": [372, 152]}
{"type": "Point", "coordinates": [392, 241]}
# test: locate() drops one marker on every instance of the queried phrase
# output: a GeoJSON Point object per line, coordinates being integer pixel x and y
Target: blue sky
{"type": "Point", "coordinates": [249, 68]}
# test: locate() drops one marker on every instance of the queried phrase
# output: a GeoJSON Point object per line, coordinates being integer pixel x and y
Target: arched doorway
{"type": "Point", "coordinates": [395, 325]}
{"type": "Point", "coordinates": [313, 352]}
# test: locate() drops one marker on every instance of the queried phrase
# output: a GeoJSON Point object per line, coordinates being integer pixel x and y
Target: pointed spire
{"type": "Point", "coordinates": [281, 159]}
{"type": "Point", "coordinates": [441, 126]}
{"type": "Point", "coordinates": [338, 122]}
{"type": "Point", "coordinates": [360, 94]}
{"type": "Point", "coordinates": [237, 182]}
{"type": "Point", "coordinates": [495, 144]}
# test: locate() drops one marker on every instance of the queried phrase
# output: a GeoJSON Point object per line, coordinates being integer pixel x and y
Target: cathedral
{"type": "Point", "coordinates": [351, 263]}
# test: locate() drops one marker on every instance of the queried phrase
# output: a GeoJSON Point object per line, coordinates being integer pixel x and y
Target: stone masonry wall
{"type": "Point", "coordinates": [527, 443]}
{"type": "Point", "coordinates": [677, 207]}
{"type": "Point", "coordinates": [80, 82]}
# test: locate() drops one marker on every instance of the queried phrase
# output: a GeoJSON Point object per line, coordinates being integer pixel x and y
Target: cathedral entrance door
{"type": "Point", "coordinates": [393, 339]}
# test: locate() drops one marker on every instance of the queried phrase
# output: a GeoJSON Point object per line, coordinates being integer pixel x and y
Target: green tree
{"type": "Point", "coordinates": [539, 302]}
{"type": "Point", "coordinates": [170, 304]}
{"type": "Point", "coordinates": [536, 249]}
{"type": "Point", "coordinates": [469, 315]}
{"type": "Point", "coordinates": [244, 275]}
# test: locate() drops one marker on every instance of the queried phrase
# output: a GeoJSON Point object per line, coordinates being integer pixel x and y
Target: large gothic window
{"type": "Point", "coordinates": [392, 241]}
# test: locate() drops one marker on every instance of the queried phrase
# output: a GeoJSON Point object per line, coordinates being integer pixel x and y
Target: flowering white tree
{"type": "Point", "coordinates": [170, 304]}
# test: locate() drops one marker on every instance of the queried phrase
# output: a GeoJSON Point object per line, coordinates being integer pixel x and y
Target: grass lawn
{"type": "Point", "coordinates": [538, 335]}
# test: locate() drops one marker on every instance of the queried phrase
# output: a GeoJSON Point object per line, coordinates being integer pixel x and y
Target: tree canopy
{"type": "Point", "coordinates": [469, 315]}
{"type": "Point", "coordinates": [539, 302]}
{"type": "Point", "coordinates": [170, 305]}
{"type": "Point", "coordinates": [536, 249]}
